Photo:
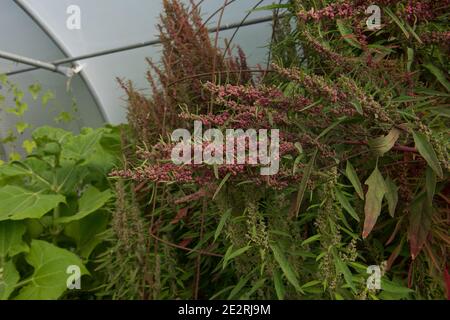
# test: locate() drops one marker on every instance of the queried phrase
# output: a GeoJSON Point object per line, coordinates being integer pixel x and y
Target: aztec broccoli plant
{"type": "Point", "coordinates": [54, 210]}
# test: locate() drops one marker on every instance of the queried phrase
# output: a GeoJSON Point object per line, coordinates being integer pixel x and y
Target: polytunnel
{"type": "Point", "coordinates": [224, 154]}
{"type": "Point", "coordinates": [113, 40]}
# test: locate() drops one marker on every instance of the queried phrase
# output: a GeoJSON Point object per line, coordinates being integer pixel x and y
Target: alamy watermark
{"type": "Point", "coordinates": [216, 148]}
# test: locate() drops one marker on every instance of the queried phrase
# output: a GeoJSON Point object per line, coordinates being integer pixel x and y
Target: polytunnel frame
{"type": "Point", "coordinates": [22, 5]}
{"type": "Point", "coordinates": [71, 59]}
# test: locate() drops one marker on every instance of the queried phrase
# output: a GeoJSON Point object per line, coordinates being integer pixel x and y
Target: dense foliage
{"type": "Point", "coordinates": [363, 179]}
{"type": "Point", "coordinates": [364, 144]}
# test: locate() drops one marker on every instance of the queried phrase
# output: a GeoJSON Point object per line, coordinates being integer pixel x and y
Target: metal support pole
{"type": "Point", "coordinates": [36, 63]}
{"type": "Point", "coordinates": [225, 27]}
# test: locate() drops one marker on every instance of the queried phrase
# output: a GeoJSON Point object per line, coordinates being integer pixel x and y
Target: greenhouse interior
{"type": "Point", "coordinates": [255, 150]}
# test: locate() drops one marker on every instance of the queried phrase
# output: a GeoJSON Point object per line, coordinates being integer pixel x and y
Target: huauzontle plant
{"type": "Point", "coordinates": [363, 116]}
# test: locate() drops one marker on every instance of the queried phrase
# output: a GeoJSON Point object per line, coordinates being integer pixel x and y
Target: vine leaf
{"type": "Point", "coordinates": [91, 200]}
{"type": "Point", "coordinates": [49, 280]}
{"type": "Point", "coordinates": [374, 199]}
{"type": "Point", "coordinates": [427, 152]}
{"type": "Point", "coordinates": [383, 144]}
{"type": "Point", "coordinates": [18, 203]}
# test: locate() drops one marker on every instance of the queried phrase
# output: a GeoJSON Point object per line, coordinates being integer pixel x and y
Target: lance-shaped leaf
{"type": "Point", "coordinates": [18, 203]}
{"type": "Point", "coordinates": [374, 199]}
{"type": "Point", "coordinates": [381, 145]}
{"type": "Point", "coordinates": [346, 204]}
{"type": "Point", "coordinates": [430, 185]}
{"type": "Point", "coordinates": [427, 152]}
{"type": "Point", "coordinates": [353, 177]}
{"type": "Point", "coordinates": [419, 223]}
{"type": "Point", "coordinates": [11, 242]}
{"type": "Point", "coordinates": [49, 280]}
{"type": "Point", "coordinates": [285, 267]}
{"type": "Point", "coordinates": [9, 277]}
{"type": "Point", "coordinates": [391, 195]}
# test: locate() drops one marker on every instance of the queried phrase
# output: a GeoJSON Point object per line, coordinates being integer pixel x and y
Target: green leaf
{"type": "Point", "coordinates": [18, 203]}
{"type": "Point", "coordinates": [410, 53]}
{"type": "Point", "coordinates": [91, 200]}
{"type": "Point", "coordinates": [347, 34]}
{"type": "Point", "coordinates": [29, 146]}
{"type": "Point", "coordinates": [381, 145]}
{"type": "Point", "coordinates": [285, 266]}
{"type": "Point", "coordinates": [391, 195]}
{"type": "Point", "coordinates": [224, 180]}
{"type": "Point", "coordinates": [426, 150]}
{"type": "Point", "coordinates": [303, 185]}
{"type": "Point", "coordinates": [49, 280]}
{"type": "Point", "coordinates": [88, 233]}
{"type": "Point", "coordinates": [392, 287]}
{"type": "Point", "coordinates": [311, 239]}
{"type": "Point", "coordinates": [440, 76]}
{"type": "Point", "coordinates": [21, 127]}
{"type": "Point", "coordinates": [374, 198]}
{"type": "Point", "coordinates": [11, 243]}
{"type": "Point", "coordinates": [353, 177]}
{"type": "Point", "coordinates": [222, 221]}
{"type": "Point", "coordinates": [346, 204]}
{"type": "Point", "coordinates": [278, 283]}
{"type": "Point", "coordinates": [9, 277]}
{"type": "Point", "coordinates": [46, 97]}
{"type": "Point", "coordinates": [343, 268]}
{"type": "Point", "coordinates": [229, 255]}
{"type": "Point", "coordinates": [35, 89]}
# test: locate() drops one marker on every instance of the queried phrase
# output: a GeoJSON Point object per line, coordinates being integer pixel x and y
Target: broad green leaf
{"type": "Point", "coordinates": [50, 263]}
{"type": "Point", "coordinates": [381, 145]}
{"type": "Point", "coordinates": [391, 195]}
{"type": "Point", "coordinates": [82, 146]}
{"type": "Point", "coordinates": [346, 204]}
{"type": "Point", "coordinates": [222, 221]}
{"type": "Point", "coordinates": [88, 232]}
{"type": "Point", "coordinates": [50, 134]}
{"type": "Point", "coordinates": [374, 199]}
{"type": "Point", "coordinates": [18, 203]}
{"type": "Point", "coordinates": [9, 277]}
{"type": "Point", "coordinates": [426, 150]}
{"type": "Point", "coordinates": [353, 177]}
{"type": "Point", "coordinates": [91, 200]}
{"type": "Point", "coordinates": [285, 266]}
{"type": "Point", "coordinates": [11, 242]}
